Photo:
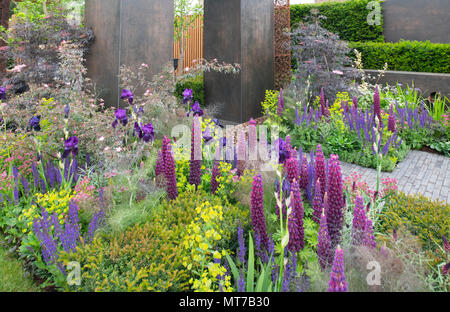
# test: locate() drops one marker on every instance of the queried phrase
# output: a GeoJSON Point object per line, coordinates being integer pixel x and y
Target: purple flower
{"type": "Point", "coordinates": [257, 209]}
{"type": "Point", "coordinates": [335, 214]}
{"type": "Point", "coordinates": [369, 238]}
{"type": "Point", "coordinates": [137, 131]}
{"type": "Point", "coordinates": [324, 249]}
{"type": "Point", "coordinates": [359, 221]}
{"type": "Point", "coordinates": [66, 111]}
{"type": "Point", "coordinates": [121, 116]}
{"type": "Point", "coordinates": [217, 122]}
{"type": "Point", "coordinates": [283, 152]}
{"type": "Point", "coordinates": [195, 172]}
{"type": "Point", "coordinates": [391, 121]}
{"type": "Point", "coordinates": [241, 244]}
{"type": "Point", "coordinates": [70, 146]}
{"type": "Point", "coordinates": [169, 169]}
{"type": "Point", "coordinates": [197, 111]}
{"type": "Point", "coordinates": [320, 170]}
{"type": "Point", "coordinates": [34, 123]}
{"type": "Point", "coordinates": [291, 167]}
{"type": "Point", "coordinates": [2, 93]}
{"type": "Point", "coordinates": [317, 202]}
{"type": "Point", "coordinates": [127, 94]}
{"type": "Point", "coordinates": [355, 102]}
{"type": "Point", "coordinates": [187, 96]}
{"type": "Point", "coordinates": [446, 244]}
{"type": "Point", "coordinates": [304, 173]}
{"type": "Point", "coordinates": [295, 222]}
{"type": "Point", "coordinates": [148, 133]}
{"type": "Point", "coordinates": [376, 104]}
{"type": "Point", "coordinates": [207, 135]}
{"type": "Point", "coordinates": [337, 281]}
{"type": "Point", "coordinates": [214, 175]}
{"type": "Point", "coordinates": [241, 153]}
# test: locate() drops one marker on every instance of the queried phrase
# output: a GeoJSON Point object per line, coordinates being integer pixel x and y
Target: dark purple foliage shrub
{"type": "Point", "coordinates": [322, 56]}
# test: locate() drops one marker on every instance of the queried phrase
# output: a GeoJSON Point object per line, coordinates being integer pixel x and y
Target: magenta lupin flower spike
{"type": "Point", "coordinates": [195, 172]}
{"type": "Point", "coordinates": [320, 170]}
{"type": "Point", "coordinates": [280, 107]}
{"type": "Point", "coordinates": [359, 222]}
{"type": "Point", "coordinates": [324, 249]}
{"type": "Point", "coordinates": [391, 120]}
{"type": "Point", "coordinates": [159, 167]}
{"type": "Point", "coordinates": [335, 214]}
{"type": "Point", "coordinates": [376, 104]}
{"type": "Point", "coordinates": [304, 173]}
{"type": "Point", "coordinates": [369, 238]}
{"type": "Point", "coordinates": [337, 281]}
{"type": "Point", "coordinates": [169, 169]}
{"type": "Point", "coordinates": [291, 168]}
{"type": "Point", "coordinates": [257, 209]}
{"type": "Point", "coordinates": [317, 202]}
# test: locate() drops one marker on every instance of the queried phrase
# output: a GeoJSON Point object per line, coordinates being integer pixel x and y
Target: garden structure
{"type": "Point", "coordinates": [239, 31]}
{"type": "Point", "coordinates": [142, 189]}
{"type": "Point", "coordinates": [127, 33]}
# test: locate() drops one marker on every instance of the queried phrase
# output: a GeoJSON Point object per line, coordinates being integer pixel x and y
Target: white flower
{"type": "Point", "coordinates": [101, 139]}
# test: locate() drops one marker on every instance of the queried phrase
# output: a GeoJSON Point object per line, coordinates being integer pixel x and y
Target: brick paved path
{"type": "Point", "coordinates": [419, 173]}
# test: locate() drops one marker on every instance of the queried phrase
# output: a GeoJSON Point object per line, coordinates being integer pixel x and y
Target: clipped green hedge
{"type": "Point", "coordinates": [414, 56]}
{"type": "Point", "coordinates": [197, 86]}
{"type": "Point", "coordinates": [346, 19]}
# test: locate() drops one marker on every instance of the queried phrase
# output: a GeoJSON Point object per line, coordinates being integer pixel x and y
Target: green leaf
{"type": "Point", "coordinates": [233, 268]}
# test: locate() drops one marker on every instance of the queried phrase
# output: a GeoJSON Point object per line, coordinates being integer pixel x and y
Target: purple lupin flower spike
{"type": "Point", "coordinates": [376, 104]}
{"type": "Point", "coordinates": [369, 238]}
{"type": "Point", "coordinates": [337, 281]}
{"type": "Point", "coordinates": [335, 214]}
{"type": "Point", "coordinates": [159, 167]}
{"type": "Point", "coordinates": [291, 167]}
{"type": "Point", "coordinates": [195, 172]}
{"type": "Point", "coordinates": [295, 222]}
{"type": "Point", "coordinates": [304, 173]}
{"type": "Point", "coordinates": [320, 173]}
{"type": "Point", "coordinates": [241, 244]}
{"type": "Point", "coordinates": [257, 209]}
{"type": "Point", "coordinates": [317, 202]}
{"type": "Point", "coordinates": [391, 121]}
{"type": "Point", "coordinates": [359, 221]}
{"type": "Point", "coordinates": [241, 153]}
{"type": "Point", "coordinates": [324, 249]}
{"type": "Point", "coordinates": [169, 169]}
{"type": "Point", "coordinates": [355, 102]}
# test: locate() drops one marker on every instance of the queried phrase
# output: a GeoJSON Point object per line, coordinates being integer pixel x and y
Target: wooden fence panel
{"type": "Point", "coordinates": [193, 44]}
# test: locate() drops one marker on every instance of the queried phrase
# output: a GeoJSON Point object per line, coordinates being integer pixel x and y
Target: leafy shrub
{"type": "Point", "coordinates": [321, 61]}
{"type": "Point", "coordinates": [195, 84]}
{"type": "Point", "coordinates": [149, 256]}
{"type": "Point", "coordinates": [417, 56]}
{"type": "Point", "coordinates": [422, 217]}
{"type": "Point", "coordinates": [347, 19]}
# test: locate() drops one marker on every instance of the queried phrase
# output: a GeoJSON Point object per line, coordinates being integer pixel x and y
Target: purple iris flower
{"type": "Point", "coordinates": [148, 133]}
{"type": "Point", "coordinates": [283, 152]}
{"type": "Point", "coordinates": [66, 111]}
{"type": "Point", "coordinates": [127, 94]}
{"type": "Point", "coordinates": [207, 135]}
{"type": "Point", "coordinates": [121, 115]}
{"type": "Point", "coordinates": [224, 141]}
{"type": "Point", "coordinates": [34, 123]}
{"type": "Point", "coordinates": [2, 93]}
{"type": "Point", "coordinates": [70, 146]}
{"type": "Point", "coordinates": [196, 110]}
{"type": "Point", "coordinates": [187, 96]}
{"type": "Point", "coordinates": [217, 122]}
{"type": "Point", "coordinates": [138, 131]}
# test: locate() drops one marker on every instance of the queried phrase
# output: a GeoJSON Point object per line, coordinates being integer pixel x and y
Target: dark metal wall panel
{"type": "Point", "coordinates": [222, 41]}
{"type": "Point", "coordinates": [257, 55]}
{"type": "Point", "coordinates": [239, 31]}
{"type": "Point", "coordinates": [417, 20]}
{"type": "Point", "coordinates": [103, 57]}
{"type": "Point", "coordinates": [128, 32]}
